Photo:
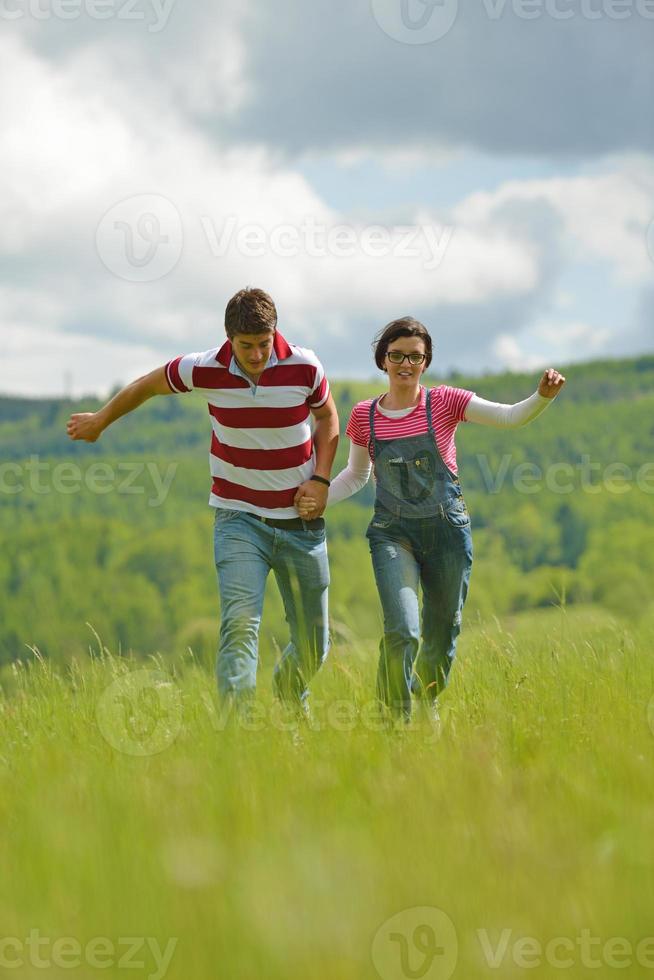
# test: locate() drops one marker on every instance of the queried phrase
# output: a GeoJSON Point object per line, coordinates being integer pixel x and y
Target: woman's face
{"type": "Point", "coordinates": [406, 373]}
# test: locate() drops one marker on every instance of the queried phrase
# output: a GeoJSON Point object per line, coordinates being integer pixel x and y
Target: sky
{"type": "Point", "coordinates": [486, 166]}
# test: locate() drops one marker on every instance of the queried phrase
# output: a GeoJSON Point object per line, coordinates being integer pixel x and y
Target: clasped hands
{"type": "Point", "coordinates": [311, 499]}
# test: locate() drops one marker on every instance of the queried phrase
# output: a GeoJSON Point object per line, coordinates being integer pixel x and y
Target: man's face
{"type": "Point", "coordinates": [253, 350]}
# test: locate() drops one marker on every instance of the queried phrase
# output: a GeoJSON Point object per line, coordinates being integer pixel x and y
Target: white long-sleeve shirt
{"type": "Point", "coordinates": [359, 467]}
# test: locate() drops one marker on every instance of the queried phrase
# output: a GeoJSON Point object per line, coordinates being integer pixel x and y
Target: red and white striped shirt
{"type": "Point", "coordinates": [261, 444]}
{"type": "Point", "coordinates": [448, 406]}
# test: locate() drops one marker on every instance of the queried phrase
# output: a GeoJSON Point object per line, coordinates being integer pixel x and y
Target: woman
{"type": "Point", "coordinates": [420, 531]}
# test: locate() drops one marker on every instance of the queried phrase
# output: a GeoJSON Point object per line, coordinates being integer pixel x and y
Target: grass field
{"type": "Point", "coordinates": [146, 836]}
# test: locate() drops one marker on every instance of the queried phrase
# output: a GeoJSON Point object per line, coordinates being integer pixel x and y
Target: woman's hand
{"type": "Point", "coordinates": [307, 507]}
{"type": "Point", "coordinates": [551, 383]}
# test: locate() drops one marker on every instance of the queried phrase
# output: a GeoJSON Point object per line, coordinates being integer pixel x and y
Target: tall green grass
{"type": "Point", "coordinates": [277, 852]}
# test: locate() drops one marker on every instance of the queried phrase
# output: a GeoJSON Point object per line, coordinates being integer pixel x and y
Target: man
{"type": "Point", "coordinates": [261, 392]}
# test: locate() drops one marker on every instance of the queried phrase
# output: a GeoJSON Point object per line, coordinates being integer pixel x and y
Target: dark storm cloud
{"type": "Point", "coordinates": [327, 76]}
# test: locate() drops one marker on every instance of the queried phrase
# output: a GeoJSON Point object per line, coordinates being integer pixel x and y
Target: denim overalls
{"type": "Point", "coordinates": [419, 534]}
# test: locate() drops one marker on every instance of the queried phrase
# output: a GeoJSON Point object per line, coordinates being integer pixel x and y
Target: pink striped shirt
{"type": "Point", "coordinates": [261, 441]}
{"type": "Point", "coordinates": [448, 406]}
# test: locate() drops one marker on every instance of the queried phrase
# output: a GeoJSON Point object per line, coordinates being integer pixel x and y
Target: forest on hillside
{"type": "Point", "coordinates": [116, 537]}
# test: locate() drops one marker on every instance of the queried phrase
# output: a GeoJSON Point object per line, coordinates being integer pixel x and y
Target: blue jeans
{"type": "Point", "coordinates": [434, 553]}
{"type": "Point", "coordinates": [246, 550]}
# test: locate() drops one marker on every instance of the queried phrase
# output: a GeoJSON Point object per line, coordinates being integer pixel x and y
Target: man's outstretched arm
{"type": "Point", "coordinates": [89, 426]}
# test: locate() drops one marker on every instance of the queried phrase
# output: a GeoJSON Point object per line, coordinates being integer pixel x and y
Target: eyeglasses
{"type": "Point", "coordinates": [397, 357]}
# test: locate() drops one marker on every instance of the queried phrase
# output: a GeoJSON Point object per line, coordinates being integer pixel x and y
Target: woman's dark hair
{"type": "Point", "coordinates": [406, 326]}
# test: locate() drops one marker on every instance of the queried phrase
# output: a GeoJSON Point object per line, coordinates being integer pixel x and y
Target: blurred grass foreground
{"type": "Point", "coordinates": [146, 835]}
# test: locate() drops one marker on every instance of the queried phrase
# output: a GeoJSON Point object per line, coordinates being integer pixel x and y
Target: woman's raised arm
{"type": "Point", "coordinates": [513, 416]}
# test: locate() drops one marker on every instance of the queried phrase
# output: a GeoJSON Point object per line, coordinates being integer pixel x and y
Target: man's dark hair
{"type": "Point", "coordinates": [406, 326]}
{"type": "Point", "coordinates": [250, 311]}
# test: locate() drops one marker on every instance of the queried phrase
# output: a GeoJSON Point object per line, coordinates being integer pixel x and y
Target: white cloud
{"type": "Point", "coordinates": [550, 343]}
{"type": "Point", "coordinates": [603, 216]}
{"type": "Point", "coordinates": [59, 142]}
{"type": "Point", "coordinates": [511, 355]}
{"type": "Point", "coordinates": [38, 362]}
{"type": "Point", "coordinates": [572, 340]}
{"type": "Point", "coordinates": [75, 153]}
{"type": "Point", "coordinates": [214, 79]}
{"type": "Point", "coordinates": [83, 137]}
{"type": "Point", "coordinates": [393, 160]}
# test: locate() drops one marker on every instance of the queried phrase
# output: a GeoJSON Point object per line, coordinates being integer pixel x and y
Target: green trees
{"type": "Point", "coordinates": [562, 513]}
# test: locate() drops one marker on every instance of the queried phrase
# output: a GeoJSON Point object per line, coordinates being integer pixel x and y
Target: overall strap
{"type": "Point", "coordinates": [430, 424]}
{"type": "Point", "coordinates": [373, 406]}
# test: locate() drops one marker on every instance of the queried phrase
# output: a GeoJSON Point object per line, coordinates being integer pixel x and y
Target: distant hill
{"type": "Point", "coordinates": [31, 425]}
{"type": "Point", "coordinates": [562, 513]}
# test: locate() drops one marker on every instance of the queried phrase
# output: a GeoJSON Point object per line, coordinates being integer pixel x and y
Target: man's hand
{"type": "Point", "coordinates": [311, 499]}
{"type": "Point", "coordinates": [89, 426]}
{"type": "Point", "coordinates": [551, 383]}
{"type": "Point", "coordinates": [85, 425]}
